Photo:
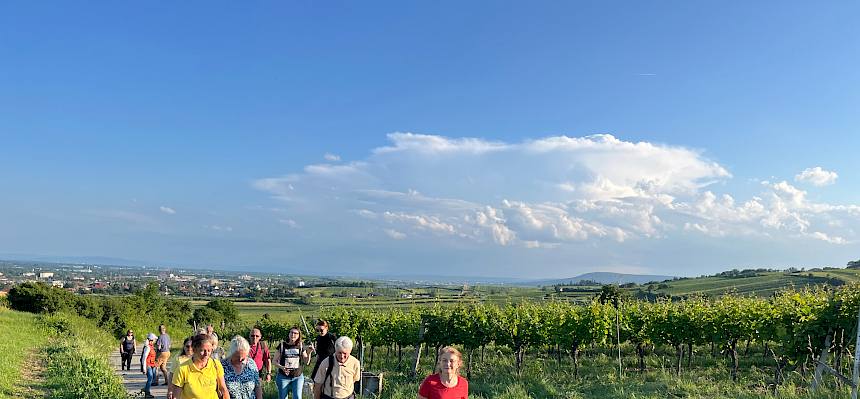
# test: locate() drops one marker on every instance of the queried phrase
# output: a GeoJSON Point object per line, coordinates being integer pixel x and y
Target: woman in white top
{"type": "Point", "coordinates": [288, 360]}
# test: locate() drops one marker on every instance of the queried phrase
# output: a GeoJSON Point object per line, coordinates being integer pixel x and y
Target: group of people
{"type": "Point", "coordinates": [204, 371]}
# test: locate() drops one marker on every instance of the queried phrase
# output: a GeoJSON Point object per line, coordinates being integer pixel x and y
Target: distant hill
{"type": "Point", "coordinates": [603, 278]}
{"type": "Point", "coordinates": [80, 260]}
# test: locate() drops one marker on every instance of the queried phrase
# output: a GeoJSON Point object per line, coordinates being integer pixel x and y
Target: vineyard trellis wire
{"type": "Point", "coordinates": [791, 325]}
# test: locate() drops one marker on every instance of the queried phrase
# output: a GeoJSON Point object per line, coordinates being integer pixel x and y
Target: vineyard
{"type": "Point", "coordinates": [787, 331]}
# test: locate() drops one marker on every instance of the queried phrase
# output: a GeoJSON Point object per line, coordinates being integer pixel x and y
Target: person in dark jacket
{"type": "Point", "coordinates": [324, 346]}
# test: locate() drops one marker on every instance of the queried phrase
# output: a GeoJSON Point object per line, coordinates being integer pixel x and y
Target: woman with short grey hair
{"type": "Point", "coordinates": [238, 343]}
{"type": "Point", "coordinates": [240, 372]}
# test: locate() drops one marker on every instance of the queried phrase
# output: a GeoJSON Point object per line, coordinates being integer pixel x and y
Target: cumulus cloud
{"type": "Point", "coordinates": [816, 176]}
{"type": "Point", "coordinates": [215, 227]}
{"type": "Point", "coordinates": [167, 210]}
{"type": "Point", "coordinates": [554, 191]}
{"type": "Point", "coordinates": [331, 157]}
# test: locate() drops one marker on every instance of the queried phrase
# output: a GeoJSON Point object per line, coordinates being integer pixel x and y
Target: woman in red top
{"type": "Point", "coordinates": [446, 383]}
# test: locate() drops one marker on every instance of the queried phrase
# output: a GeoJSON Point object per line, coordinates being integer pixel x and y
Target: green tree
{"type": "Point", "coordinates": [38, 297]}
{"type": "Point", "coordinates": [205, 315]}
{"type": "Point", "coordinates": [227, 309]}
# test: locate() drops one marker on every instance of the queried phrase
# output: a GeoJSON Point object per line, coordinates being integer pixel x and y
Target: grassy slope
{"type": "Point", "coordinates": [22, 334]}
{"type": "Point", "coordinates": [762, 285]}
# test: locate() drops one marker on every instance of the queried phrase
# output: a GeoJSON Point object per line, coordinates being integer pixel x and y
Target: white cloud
{"type": "Point", "coordinates": [394, 234]}
{"type": "Point", "coordinates": [431, 223]}
{"type": "Point", "coordinates": [289, 222]}
{"type": "Point", "coordinates": [816, 176]}
{"type": "Point", "coordinates": [125, 216]}
{"type": "Point", "coordinates": [167, 210]}
{"type": "Point", "coordinates": [331, 157]}
{"type": "Point", "coordinates": [831, 239]}
{"type": "Point", "coordinates": [215, 227]}
{"type": "Point", "coordinates": [552, 192]}
{"type": "Point", "coordinates": [429, 144]}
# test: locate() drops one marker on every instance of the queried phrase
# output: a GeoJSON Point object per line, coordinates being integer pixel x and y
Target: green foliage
{"type": "Point", "coordinates": [228, 311]}
{"type": "Point", "coordinates": [142, 311]}
{"type": "Point", "coordinates": [76, 363]}
{"type": "Point", "coordinates": [206, 315]}
{"type": "Point", "coordinates": [38, 297]}
{"type": "Point", "coordinates": [21, 336]}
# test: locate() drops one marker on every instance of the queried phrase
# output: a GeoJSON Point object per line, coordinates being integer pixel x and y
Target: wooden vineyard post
{"type": "Point", "coordinates": [822, 362]}
{"type": "Point", "coordinates": [618, 339]}
{"type": "Point", "coordinates": [417, 357]}
{"type": "Point", "coordinates": [856, 380]}
{"type": "Point", "coordinates": [360, 369]}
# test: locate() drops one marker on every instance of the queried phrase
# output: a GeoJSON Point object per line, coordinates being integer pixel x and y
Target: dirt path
{"type": "Point", "coordinates": [32, 383]}
{"type": "Point", "coordinates": [134, 380]}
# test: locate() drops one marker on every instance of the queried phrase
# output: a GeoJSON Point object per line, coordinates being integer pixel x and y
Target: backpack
{"type": "Point", "coordinates": [328, 374]}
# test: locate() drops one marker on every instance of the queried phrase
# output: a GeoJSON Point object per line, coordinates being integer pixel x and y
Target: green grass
{"type": "Point", "coordinates": [762, 285]}
{"type": "Point", "coordinates": [22, 337]}
{"type": "Point", "coordinates": [76, 359]}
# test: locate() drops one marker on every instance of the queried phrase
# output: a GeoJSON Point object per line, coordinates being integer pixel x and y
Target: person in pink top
{"type": "Point", "coordinates": [446, 383]}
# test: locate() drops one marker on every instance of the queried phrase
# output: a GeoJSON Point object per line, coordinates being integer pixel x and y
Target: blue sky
{"type": "Point", "coordinates": [479, 138]}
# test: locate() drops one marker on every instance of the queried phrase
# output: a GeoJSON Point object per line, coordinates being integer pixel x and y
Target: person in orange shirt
{"type": "Point", "coordinates": [147, 364]}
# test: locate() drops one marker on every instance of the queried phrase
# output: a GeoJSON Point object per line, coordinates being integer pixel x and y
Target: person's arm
{"type": "Point", "coordinates": [277, 362]}
{"type": "Point", "coordinates": [222, 387]}
{"type": "Point", "coordinates": [317, 391]}
{"type": "Point", "coordinates": [423, 389]}
{"type": "Point", "coordinates": [258, 390]}
{"type": "Point", "coordinates": [267, 363]}
{"type": "Point", "coordinates": [143, 357]}
{"type": "Point", "coordinates": [357, 369]}
{"type": "Point", "coordinates": [305, 357]}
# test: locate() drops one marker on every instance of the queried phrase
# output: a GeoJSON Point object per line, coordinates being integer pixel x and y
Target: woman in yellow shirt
{"type": "Point", "coordinates": [200, 378]}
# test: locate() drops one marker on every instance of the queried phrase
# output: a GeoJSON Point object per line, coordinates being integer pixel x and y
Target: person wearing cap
{"type": "Point", "coordinates": [147, 364]}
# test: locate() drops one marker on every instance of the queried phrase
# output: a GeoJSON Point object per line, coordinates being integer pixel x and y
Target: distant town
{"type": "Point", "coordinates": [114, 280]}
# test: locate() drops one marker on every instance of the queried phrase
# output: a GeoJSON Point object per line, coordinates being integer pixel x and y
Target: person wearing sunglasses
{"type": "Point", "coordinates": [184, 355]}
{"type": "Point", "coordinates": [324, 346]}
{"type": "Point", "coordinates": [127, 346]}
{"type": "Point", "coordinates": [259, 352]}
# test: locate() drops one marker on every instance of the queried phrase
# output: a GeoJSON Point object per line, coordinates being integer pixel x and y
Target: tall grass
{"type": "Point", "coordinates": [21, 336]}
{"type": "Point", "coordinates": [76, 359]}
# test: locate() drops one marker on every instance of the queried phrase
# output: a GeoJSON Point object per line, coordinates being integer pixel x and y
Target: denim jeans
{"type": "Point", "coordinates": [150, 377]}
{"type": "Point", "coordinates": [290, 384]}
